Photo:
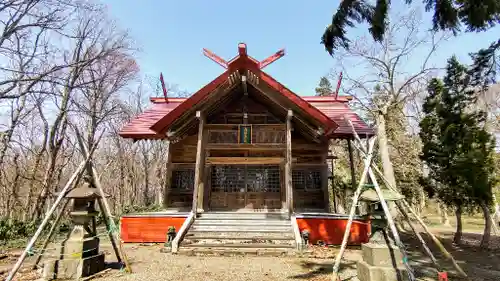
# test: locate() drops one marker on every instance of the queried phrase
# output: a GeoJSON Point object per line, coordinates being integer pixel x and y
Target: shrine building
{"type": "Point", "coordinates": [245, 143]}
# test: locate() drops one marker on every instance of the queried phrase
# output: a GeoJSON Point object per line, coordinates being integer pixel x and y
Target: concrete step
{"type": "Point", "coordinates": [266, 252]}
{"type": "Point", "coordinates": [240, 245]}
{"type": "Point", "coordinates": [242, 222]}
{"type": "Point", "coordinates": [242, 216]}
{"type": "Point", "coordinates": [241, 228]}
{"type": "Point", "coordinates": [238, 236]}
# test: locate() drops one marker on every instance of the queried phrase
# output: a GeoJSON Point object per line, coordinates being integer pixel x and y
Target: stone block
{"type": "Point", "coordinates": [382, 255]}
{"type": "Point", "coordinates": [49, 269]}
{"type": "Point", "coordinates": [73, 268]}
{"type": "Point", "coordinates": [367, 272]}
{"type": "Point", "coordinates": [78, 248]}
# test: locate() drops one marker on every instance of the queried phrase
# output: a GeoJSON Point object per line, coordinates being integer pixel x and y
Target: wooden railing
{"type": "Point", "coordinates": [259, 133]}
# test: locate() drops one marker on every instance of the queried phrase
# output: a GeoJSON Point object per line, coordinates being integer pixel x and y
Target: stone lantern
{"type": "Point", "coordinates": [80, 256]}
{"type": "Point", "coordinates": [379, 226]}
{"type": "Point", "coordinates": [382, 259]}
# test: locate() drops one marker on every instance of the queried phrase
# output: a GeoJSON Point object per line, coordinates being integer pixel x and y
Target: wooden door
{"type": "Point", "coordinates": [235, 187]}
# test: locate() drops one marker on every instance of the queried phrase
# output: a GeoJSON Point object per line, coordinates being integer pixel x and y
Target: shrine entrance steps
{"type": "Point", "coordinates": [240, 233]}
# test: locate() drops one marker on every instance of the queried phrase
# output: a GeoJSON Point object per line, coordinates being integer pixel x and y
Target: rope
{"type": "Point", "coordinates": [33, 251]}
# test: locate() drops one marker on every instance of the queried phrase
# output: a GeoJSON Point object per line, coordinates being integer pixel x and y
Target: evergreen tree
{"type": "Point", "coordinates": [457, 149]}
{"type": "Point", "coordinates": [448, 15]}
{"type": "Point", "coordinates": [324, 88]}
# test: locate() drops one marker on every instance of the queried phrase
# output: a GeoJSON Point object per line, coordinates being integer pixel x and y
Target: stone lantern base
{"type": "Point", "coordinates": [73, 268]}
{"type": "Point", "coordinates": [80, 257]}
{"type": "Point", "coordinates": [381, 262]}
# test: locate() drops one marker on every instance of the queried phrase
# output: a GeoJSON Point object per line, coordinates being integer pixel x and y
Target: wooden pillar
{"type": "Point", "coordinates": [202, 186]}
{"type": "Point", "coordinates": [353, 170]}
{"type": "Point", "coordinates": [324, 185]}
{"type": "Point", "coordinates": [168, 175]}
{"type": "Point", "coordinates": [198, 169]}
{"type": "Point", "coordinates": [351, 163]}
{"type": "Point", "coordinates": [288, 163]}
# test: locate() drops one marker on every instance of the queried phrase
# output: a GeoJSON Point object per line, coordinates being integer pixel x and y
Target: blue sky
{"type": "Point", "coordinates": [171, 35]}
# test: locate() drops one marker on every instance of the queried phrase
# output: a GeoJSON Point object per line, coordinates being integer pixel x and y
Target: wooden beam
{"type": "Point", "coordinates": [215, 95]}
{"type": "Point", "coordinates": [198, 170]}
{"type": "Point", "coordinates": [168, 175]}
{"type": "Point", "coordinates": [288, 163]}
{"type": "Point", "coordinates": [245, 146]}
{"type": "Point", "coordinates": [245, 160]}
{"type": "Point", "coordinates": [214, 127]}
{"type": "Point", "coordinates": [279, 104]}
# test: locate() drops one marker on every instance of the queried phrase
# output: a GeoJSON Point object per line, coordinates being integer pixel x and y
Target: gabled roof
{"type": "Point", "coordinates": [335, 109]}
{"type": "Point", "coordinates": [243, 63]}
{"type": "Point", "coordinates": [327, 112]}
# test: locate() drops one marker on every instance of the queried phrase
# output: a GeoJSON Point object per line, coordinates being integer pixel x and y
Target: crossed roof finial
{"type": "Point", "coordinates": [242, 52]}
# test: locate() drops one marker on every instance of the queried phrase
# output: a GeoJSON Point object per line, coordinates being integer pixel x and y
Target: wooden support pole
{"type": "Point", "coordinates": [199, 162]}
{"type": "Point", "coordinates": [61, 195]}
{"type": "Point", "coordinates": [392, 226]}
{"type": "Point", "coordinates": [52, 231]}
{"type": "Point", "coordinates": [355, 199]}
{"type": "Point", "coordinates": [436, 241]}
{"type": "Point", "coordinates": [103, 205]}
{"type": "Point", "coordinates": [288, 164]}
{"type": "Point", "coordinates": [419, 237]}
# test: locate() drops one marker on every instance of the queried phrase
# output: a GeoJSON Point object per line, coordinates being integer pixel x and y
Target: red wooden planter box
{"type": "Point", "coordinates": [149, 228]}
{"type": "Point", "coordinates": [330, 228]}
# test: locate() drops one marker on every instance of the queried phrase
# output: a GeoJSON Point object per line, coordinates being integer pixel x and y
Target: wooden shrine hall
{"type": "Point", "coordinates": [246, 143]}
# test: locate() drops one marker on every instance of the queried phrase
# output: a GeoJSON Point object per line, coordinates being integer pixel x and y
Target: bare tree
{"type": "Point", "coordinates": [91, 46]}
{"type": "Point", "coordinates": [376, 74]}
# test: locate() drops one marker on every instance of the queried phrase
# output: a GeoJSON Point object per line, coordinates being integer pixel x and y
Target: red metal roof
{"type": "Point", "coordinates": [243, 63]}
{"type": "Point", "coordinates": [327, 110]}
{"type": "Point", "coordinates": [337, 111]}
{"type": "Point", "coordinates": [140, 126]}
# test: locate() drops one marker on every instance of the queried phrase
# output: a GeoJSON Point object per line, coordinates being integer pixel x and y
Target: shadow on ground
{"type": "Point", "coordinates": [479, 264]}
{"type": "Point", "coordinates": [322, 269]}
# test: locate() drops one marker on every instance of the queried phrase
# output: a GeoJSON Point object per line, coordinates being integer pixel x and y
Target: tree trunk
{"type": "Point", "coordinates": [444, 214]}
{"type": "Point", "coordinates": [485, 242]}
{"type": "Point", "coordinates": [457, 238]}
{"type": "Point", "coordinates": [383, 148]}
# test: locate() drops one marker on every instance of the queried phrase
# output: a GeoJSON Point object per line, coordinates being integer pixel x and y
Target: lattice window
{"type": "Point", "coordinates": [268, 136]}
{"type": "Point", "coordinates": [183, 179]}
{"type": "Point", "coordinates": [228, 178]}
{"type": "Point", "coordinates": [306, 179]}
{"type": "Point", "coordinates": [223, 136]}
{"type": "Point", "coordinates": [249, 178]}
{"type": "Point", "coordinates": [261, 178]}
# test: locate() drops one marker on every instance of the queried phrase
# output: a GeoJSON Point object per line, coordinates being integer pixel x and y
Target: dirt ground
{"type": "Point", "coordinates": [148, 263]}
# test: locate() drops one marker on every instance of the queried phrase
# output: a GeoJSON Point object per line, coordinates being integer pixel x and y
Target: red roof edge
{"type": "Point", "coordinates": [188, 103]}
{"type": "Point", "coordinates": [328, 98]}
{"type": "Point", "coordinates": [162, 100]}
{"type": "Point", "coordinates": [312, 99]}
{"type": "Point", "coordinates": [300, 102]}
